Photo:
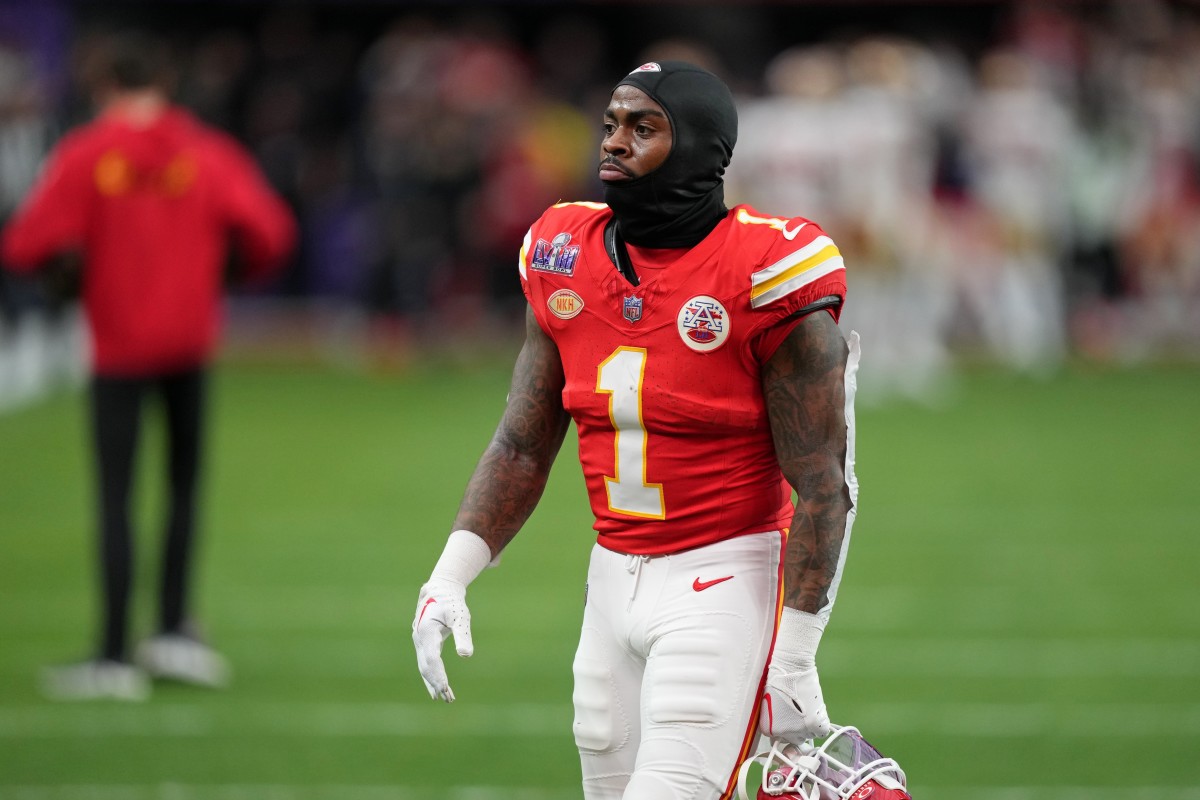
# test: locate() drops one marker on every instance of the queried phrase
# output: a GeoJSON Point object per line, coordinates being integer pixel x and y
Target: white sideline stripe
{"type": "Point", "coordinates": [181, 720]}
{"type": "Point", "coordinates": [855, 657]}
{"type": "Point", "coordinates": [999, 657]}
{"type": "Point", "coordinates": [845, 655]}
{"type": "Point", "coordinates": [1033, 720]}
{"type": "Point", "coordinates": [180, 791]}
{"type": "Point", "coordinates": [433, 721]}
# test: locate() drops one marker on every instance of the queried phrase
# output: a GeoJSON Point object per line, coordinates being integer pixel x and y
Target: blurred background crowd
{"type": "Point", "coordinates": [1012, 182]}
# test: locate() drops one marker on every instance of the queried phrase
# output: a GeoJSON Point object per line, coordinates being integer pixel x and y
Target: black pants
{"type": "Point", "coordinates": [116, 413]}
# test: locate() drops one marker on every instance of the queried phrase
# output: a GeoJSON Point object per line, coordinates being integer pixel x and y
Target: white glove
{"type": "Point", "coordinates": [793, 708]}
{"type": "Point", "coordinates": [442, 609]}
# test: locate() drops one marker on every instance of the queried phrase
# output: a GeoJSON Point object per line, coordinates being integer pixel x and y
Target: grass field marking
{"type": "Point", "coordinates": [366, 656]}
{"type": "Point", "coordinates": [334, 720]}
{"type": "Point", "coordinates": [1033, 720]}
{"type": "Point", "coordinates": [1002, 657]}
{"type": "Point", "coordinates": [322, 720]}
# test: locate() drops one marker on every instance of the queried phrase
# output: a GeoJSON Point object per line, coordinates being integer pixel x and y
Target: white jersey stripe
{"type": "Point", "coordinates": [793, 265]}
{"type": "Point", "coordinates": [524, 251]}
{"type": "Point", "coordinates": [809, 250]}
{"type": "Point", "coordinates": [800, 279]}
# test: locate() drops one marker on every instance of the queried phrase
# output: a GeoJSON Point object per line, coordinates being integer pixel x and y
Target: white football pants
{"type": "Point", "coordinates": [670, 668]}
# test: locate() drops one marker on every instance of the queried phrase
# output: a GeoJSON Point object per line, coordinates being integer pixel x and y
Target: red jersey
{"type": "Point", "coordinates": [663, 380]}
{"type": "Point", "coordinates": [153, 210]}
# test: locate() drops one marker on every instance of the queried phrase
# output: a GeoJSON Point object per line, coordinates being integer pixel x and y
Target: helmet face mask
{"type": "Point", "coordinates": [842, 767]}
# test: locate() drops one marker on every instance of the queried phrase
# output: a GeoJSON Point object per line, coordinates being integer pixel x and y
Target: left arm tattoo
{"type": "Point", "coordinates": [805, 396]}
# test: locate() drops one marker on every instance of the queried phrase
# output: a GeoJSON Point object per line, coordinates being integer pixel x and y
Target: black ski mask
{"type": "Point", "coordinates": [679, 203]}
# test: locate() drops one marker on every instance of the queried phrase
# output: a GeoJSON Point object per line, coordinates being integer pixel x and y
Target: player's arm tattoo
{"type": "Point", "coordinates": [511, 474]}
{"type": "Point", "coordinates": [803, 383]}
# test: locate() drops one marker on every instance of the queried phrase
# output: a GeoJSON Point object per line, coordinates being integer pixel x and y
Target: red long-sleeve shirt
{"type": "Point", "coordinates": [153, 210]}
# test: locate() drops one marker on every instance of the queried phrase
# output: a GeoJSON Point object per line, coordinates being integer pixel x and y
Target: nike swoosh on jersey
{"type": "Point", "coordinates": [789, 235]}
{"type": "Point", "coordinates": [699, 585]}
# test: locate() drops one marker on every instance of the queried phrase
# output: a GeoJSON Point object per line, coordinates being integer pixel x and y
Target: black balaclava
{"type": "Point", "coordinates": [679, 203]}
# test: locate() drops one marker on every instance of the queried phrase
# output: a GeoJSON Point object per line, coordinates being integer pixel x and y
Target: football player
{"type": "Point", "coordinates": [697, 350]}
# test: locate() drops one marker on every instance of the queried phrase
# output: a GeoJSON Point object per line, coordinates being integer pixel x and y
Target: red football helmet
{"type": "Point", "coordinates": [844, 767]}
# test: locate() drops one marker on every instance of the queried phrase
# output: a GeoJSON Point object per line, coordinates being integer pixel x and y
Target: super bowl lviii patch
{"type": "Point", "coordinates": [556, 255]}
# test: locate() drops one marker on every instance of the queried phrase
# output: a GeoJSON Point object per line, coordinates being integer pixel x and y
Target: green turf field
{"type": "Point", "coordinates": [1019, 619]}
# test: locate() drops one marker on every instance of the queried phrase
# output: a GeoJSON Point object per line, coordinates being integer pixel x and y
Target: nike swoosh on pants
{"type": "Point", "coordinates": [700, 585]}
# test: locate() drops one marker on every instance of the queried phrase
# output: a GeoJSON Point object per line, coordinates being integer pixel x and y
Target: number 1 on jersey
{"type": "Point", "coordinates": [621, 376]}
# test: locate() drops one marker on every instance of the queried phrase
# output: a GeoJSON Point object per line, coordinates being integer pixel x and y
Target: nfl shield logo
{"type": "Point", "coordinates": [632, 309]}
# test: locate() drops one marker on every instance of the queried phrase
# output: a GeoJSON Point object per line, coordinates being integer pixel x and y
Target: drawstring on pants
{"type": "Point", "coordinates": [633, 565]}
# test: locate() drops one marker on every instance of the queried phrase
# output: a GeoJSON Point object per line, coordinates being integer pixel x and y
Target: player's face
{"type": "Point", "coordinates": [637, 136]}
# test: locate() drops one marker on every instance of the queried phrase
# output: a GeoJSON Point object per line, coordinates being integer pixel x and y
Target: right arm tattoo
{"type": "Point", "coordinates": [509, 479]}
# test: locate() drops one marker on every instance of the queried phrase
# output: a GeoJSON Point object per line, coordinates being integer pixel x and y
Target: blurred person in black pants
{"type": "Point", "coordinates": [151, 203]}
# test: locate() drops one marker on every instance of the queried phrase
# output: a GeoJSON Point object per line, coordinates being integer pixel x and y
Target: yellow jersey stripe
{"type": "Point", "coordinates": [798, 281]}
{"type": "Point", "coordinates": [791, 259]}
{"type": "Point", "coordinates": [747, 218]}
{"type": "Point", "coordinates": [807, 259]}
{"type": "Point", "coordinates": [585, 203]}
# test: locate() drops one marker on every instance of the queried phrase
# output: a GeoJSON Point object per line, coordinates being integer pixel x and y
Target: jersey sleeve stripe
{"type": "Point", "coordinates": [524, 250]}
{"type": "Point", "coordinates": [815, 260]}
{"type": "Point", "coordinates": [798, 282]}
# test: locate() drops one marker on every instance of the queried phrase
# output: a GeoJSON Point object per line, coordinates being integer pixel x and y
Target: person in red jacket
{"type": "Point", "coordinates": [155, 205]}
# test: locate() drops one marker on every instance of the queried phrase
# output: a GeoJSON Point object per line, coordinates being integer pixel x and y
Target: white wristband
{"type": "Point", "coordinates": [797, 640]}
{"type": "Point", "coordinates": [464, 557]}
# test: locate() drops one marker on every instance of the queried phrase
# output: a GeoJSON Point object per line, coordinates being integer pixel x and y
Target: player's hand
{"type": "Point", "coordinates": [441, 611]}
{"type": "Point", "coordinates": [793, 708]}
